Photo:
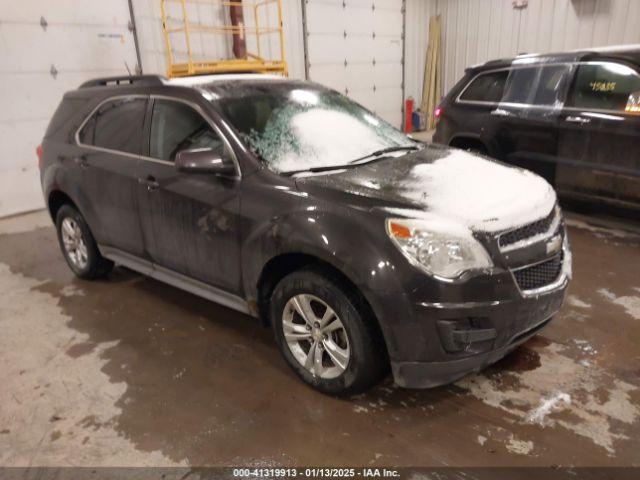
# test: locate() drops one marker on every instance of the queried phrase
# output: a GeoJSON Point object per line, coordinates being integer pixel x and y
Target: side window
{"type": "Point", "coordinates": [520, 85]}
{"type": "Point", "coordinates": [87, 133]}
{"type": "Point", "coordinates": [175, 127]}
{"type": "Point", "coordinates": [605, 86]}
{"type": "Point", "coordinates": [552, 84]}
{"type": "Point", "coordinates": [486, 87]}
{"type": "Point", "coordinates": [116, 125]}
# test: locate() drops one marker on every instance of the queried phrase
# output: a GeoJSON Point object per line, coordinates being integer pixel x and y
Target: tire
{"type": "Point", "coordinates": [78, 245]}
{"type": "Point", "coordinates": [477, 149]}
{"type": "Point", "coordinates": [355, 336]}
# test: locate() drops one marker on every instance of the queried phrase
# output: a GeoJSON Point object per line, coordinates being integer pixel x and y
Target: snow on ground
{"type": "Point", "coordinates": [630, 303]}
{"type": "Point", "coordinates": [563, 392]}
{"type": "Point", "coordinates": [574, 301]}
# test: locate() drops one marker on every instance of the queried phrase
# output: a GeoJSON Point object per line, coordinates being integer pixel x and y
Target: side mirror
{"type": "Point", "coordinates": [203, 160]}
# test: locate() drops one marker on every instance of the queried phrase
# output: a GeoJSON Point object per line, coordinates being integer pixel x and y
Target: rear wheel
{"type": "Point", "coordinates": [325, 334]}
{"type": "Point", "coordinates": [78, 245]}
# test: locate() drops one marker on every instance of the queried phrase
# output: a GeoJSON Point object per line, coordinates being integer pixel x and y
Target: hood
{"type": "Point", "coordinates": [450, 184]}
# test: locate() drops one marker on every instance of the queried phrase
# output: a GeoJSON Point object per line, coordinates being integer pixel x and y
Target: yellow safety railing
{"type": "Point", "coordinates": [252, 61]}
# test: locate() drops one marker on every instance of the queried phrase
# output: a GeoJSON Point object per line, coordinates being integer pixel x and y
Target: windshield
{"type": "Point", "coordinates": [300, 128]}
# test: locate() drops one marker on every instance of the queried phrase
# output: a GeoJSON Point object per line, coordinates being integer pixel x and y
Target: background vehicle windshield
{"type": "Point", "coordinates": [300, 128]}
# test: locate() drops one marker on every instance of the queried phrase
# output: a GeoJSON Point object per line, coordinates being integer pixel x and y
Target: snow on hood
{"type": "Point", "coordinates": [476, 192]}
{"type": "Point", "coordinates": [484, 195]}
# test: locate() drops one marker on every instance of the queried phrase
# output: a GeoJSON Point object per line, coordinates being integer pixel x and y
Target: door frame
{"type": "Point", "coordinates": [146, 134]}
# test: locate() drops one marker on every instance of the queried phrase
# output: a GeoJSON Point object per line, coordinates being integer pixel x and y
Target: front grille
{"type": "Point", "coordinates": [526, 231]}
{"type": "Point", "coordinates": [540, 275]}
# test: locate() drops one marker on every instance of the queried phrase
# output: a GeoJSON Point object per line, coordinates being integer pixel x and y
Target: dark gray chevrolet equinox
{"type": "Point", "coordinates": [285, 200]}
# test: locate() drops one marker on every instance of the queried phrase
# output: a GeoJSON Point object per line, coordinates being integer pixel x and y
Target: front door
{"type": "Point", "coordinates": [111, 142]}
{"type": "Point", "coordinates": [190, 221]}
{"type": "Point", "coordinates": [600, 134]}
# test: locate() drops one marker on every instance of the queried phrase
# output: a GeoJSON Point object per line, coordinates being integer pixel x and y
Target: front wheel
{"type": "Point", "coordinates": [78, 245]}
{"type": "Point", "coordinates": [326, 334]}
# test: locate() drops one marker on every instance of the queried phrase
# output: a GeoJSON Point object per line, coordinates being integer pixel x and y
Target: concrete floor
{"type": "Point", "coordinates": [128, 371]}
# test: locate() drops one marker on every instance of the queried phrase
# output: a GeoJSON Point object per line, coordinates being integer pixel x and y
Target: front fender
{"type": "Point", "coordinates": [355, 244]}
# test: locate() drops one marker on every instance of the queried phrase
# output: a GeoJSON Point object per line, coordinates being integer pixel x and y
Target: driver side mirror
{"type": "Point", "coordinates": [203, 160]}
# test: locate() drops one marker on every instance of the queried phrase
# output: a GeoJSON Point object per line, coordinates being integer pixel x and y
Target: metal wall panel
{"type": "Point", "coordinates": [479, 30]}
{"type": "Point", "coordinates": [80, 40]}
{"type": "Point", "coordinates": [416, 38]}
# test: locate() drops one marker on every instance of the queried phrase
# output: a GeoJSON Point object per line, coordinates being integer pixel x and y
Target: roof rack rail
{"type": "Point", "coordinates": [150, 80]}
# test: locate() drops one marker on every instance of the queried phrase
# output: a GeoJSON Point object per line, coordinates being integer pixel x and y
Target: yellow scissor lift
{"type": "Point", "coordinates": [176, 21]}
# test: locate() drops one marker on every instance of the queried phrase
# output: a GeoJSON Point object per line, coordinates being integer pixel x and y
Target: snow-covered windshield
{"type": "Point", "coordinates": [303, 126]}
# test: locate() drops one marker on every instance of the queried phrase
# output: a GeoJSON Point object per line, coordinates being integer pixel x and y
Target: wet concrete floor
{"type": "Point", "coordinates": [128, 371]}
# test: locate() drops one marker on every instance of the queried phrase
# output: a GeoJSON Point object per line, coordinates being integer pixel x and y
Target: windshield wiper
{"type": "Point", "coordinates": [354, 163]}
{"type": "Point", "coordinates": [377, 153]}
{"type": "Point", "coordinates": [317, 169]}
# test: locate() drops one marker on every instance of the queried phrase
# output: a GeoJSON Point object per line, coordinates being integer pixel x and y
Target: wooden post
{"type": "Point", "coordinates": [432, 87]}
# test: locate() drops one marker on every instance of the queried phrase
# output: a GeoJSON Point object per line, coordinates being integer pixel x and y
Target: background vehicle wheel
{"type": "Point", "coordinates": [326, 335]}
{"type": "Point", "coordinates": [78, 246]}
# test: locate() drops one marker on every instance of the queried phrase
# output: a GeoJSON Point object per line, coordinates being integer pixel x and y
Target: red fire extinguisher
{"type": "Point", "coordinates": [408, 115]}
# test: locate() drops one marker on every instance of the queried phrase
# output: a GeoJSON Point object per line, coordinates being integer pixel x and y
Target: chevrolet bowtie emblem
{"type": "Point", "coordinates": [554, 244]}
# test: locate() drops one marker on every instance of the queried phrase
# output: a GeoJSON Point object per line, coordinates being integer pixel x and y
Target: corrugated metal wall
{"type": "Point", "coordinates": [416, 38]}
{"type": "Point", "coordinates": [475, 31]}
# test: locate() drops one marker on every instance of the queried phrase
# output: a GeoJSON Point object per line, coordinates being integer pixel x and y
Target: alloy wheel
{"type": "Point", "coordinates": [316, 336]}
{"type": "Point", "coordinates": [74, 243]}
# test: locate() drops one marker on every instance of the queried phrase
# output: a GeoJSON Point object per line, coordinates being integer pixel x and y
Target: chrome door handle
{"type": "Point", "coordinates": [500, 112]}
{"type": "Point", "coordinates": [81, 161]}
{"type": "Point", "coordinates": [572, 119]}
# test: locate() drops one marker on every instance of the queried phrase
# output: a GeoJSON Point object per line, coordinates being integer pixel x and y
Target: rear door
{"type": "Point", "coordinates": [190, 220]}
{"type": "Point", "coordinates": [529, 110]}
{"type": "Point", "coordinates": [111, 141]}
{"type": "Point", "coordinates": [472, 109]}
{"type": "Point", "coordinates": [600, 134]}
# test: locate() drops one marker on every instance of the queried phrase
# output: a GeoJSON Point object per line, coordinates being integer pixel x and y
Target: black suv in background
{"type": "Point", "coordinates": [573, 118]}
{"type": "Point", "coordinates": [287, 201]}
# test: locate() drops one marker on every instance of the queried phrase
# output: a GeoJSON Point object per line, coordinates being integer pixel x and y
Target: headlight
{"type": "Point", "coordinates": [439, 247]}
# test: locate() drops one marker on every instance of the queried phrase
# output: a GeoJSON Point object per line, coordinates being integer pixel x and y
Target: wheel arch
{"type": "Point", "coordinates": [283, 264]}
{"type": "Point", "coordinates": [56, 199]}
{"type": "Point", "coordinates": [469, 141]}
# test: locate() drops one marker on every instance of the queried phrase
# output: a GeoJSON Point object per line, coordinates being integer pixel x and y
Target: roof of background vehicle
{"type": "Point", "coordinates": [628, 53]}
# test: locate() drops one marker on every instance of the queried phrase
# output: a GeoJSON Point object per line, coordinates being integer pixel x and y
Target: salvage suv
{"type": "Point", "coordinates": [285, 200]}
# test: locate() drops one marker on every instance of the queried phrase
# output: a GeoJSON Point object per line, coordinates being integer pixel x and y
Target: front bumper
{"type": "Point", "coordinates": [433, 344]}
{"type": "Point", "coordinates": [434, 374]}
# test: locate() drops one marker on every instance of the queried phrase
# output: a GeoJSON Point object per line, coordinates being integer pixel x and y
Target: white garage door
{"type": "Point", "coordinates": [48, 47]}
{"type": "Point", "coordinates": [355, 47]}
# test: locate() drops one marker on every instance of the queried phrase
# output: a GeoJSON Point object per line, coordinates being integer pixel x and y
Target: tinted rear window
{"type": "Point", "coordinates": [487, 87]}
{"type": "Point", "coordinates": [117, 125]}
